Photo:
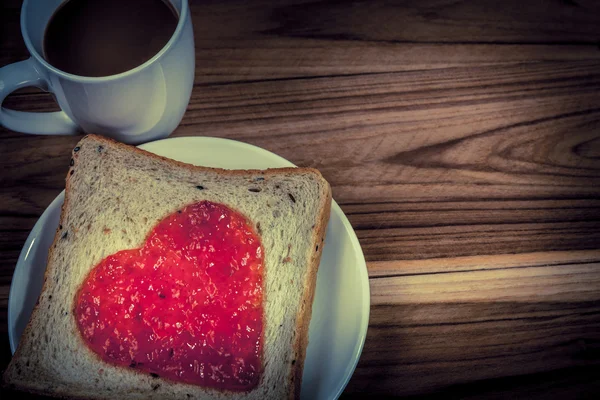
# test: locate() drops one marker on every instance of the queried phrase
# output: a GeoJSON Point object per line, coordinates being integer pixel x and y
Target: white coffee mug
{"type": "Point", "coordinates": [136, 106]}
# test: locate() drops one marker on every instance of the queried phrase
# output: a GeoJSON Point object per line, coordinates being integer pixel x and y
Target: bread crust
{"type": "Point", "coordinates": [301, 343]}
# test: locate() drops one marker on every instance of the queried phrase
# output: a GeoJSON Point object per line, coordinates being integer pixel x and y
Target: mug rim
{"type": "Point", "coordinates": [98, 79]}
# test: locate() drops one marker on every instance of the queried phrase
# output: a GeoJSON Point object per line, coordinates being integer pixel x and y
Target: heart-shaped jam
{"type": "Point", "coordinates": [187, 306]}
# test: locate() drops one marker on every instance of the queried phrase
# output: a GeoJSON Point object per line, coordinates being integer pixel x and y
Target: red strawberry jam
{"type": "Point", "coordinates": [187, 306]}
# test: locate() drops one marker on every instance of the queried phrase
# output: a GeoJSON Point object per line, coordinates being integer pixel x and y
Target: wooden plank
{"type": "Point", "coordinates": [399, 268]}
{"type": "Point", "coordinates": [237, 40]}
{"type": "Point", "coordinates": [560, 283]}
{"type": "Point", "coordinates": [431, 346]}
{"type": "Point", "coordinates": [448, 330]}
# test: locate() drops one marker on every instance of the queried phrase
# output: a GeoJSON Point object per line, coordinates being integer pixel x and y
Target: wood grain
{"type": "Point", "coordinates": [527, 315]}
{"type": "Point", "coordinates": [461, 139]}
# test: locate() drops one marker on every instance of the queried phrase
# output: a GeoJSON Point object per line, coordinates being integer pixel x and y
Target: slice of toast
{"type": "Point", "coordinates": [115, 195]}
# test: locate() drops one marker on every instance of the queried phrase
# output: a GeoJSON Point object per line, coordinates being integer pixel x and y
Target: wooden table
{"type": "Point", "coordinates": [461, 139]}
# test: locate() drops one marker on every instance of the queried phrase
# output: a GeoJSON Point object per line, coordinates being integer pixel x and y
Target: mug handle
{"type": "Point", "coordinates": [22, 74]}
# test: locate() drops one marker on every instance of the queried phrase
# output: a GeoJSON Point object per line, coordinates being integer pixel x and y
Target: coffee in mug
{"type": "Point", "coordinates": [107, 37]}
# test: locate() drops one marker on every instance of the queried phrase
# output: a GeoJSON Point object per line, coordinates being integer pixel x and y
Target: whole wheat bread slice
{"type": "Point", "coordinates": [113, 188]}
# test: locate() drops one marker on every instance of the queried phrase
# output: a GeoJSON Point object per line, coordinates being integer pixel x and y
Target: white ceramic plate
{"type": "Point", "coordinates": [341, 308]}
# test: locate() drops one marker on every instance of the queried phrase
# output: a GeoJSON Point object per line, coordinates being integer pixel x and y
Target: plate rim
{"type": "Point", "coordinates": [335, 208]}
